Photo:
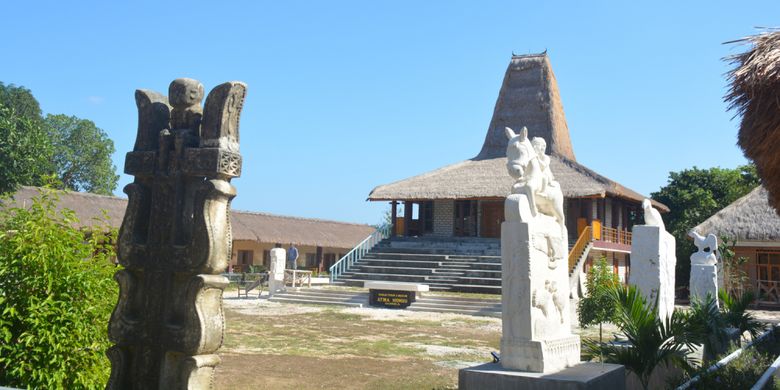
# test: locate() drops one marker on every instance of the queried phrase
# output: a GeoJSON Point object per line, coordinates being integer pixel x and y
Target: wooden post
{"type": "Point", "coordinates": [393, 216]}
{"type": "Point", "coordinates": [407, 217]}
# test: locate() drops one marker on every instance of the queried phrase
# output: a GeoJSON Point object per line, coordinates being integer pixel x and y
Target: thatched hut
{"type": "Point", "coordinates": [466, 198]}
{"type": "Point", "coordinates": [320, 242]}
{"type": "Point", "coordinates": [755, 95]}
{"type": "Point", "coordinates": [755, 227]}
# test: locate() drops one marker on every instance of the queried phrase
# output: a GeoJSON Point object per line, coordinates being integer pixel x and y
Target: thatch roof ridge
{"type": "Point", "coordinates": [528, 97]}
{"type": "Point", "coordinates": [749, 218]}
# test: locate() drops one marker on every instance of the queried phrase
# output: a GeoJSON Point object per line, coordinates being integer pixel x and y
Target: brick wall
{"type": "Point", "coordinates": [443, 214]}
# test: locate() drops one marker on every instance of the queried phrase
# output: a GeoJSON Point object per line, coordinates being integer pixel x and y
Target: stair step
{"type": "Point", "coordinates": [485, 313]}
{"type": "Point", "coordinates": [315, 301]}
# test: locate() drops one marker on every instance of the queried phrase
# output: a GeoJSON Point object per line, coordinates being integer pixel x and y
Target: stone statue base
{"type": "Point", "coordinates": [704, 280]}
{"type": "Point", "coordinates": [535, 297]}
{"type": "Point", "coordinates": [540, 356]}
{"type": "Point", "coordinates": [585, 376]}
{"type": "Point", "coordinates": [653, 260]}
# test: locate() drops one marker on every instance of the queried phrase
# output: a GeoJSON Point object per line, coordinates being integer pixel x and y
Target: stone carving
{"type": "Point", "coordinates": [175, 239]}
{"type": "Point", "coordinates": [704, 269]}
{"type": "Point", "coordinates": [276, 271]}
{"type": "Point", "coordinates": [652, 216]}
{"type": "Point", "coordinates": [653, 261]}
{"type": "Point", "coordinates": [535, 281]}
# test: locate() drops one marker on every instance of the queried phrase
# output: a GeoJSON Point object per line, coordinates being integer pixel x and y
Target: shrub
{"type": "Point", "coordinates": [598, 306]}
{"type": "Point", "coordinates": [56, 296]}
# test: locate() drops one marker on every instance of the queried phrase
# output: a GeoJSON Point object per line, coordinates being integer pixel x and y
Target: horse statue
{"type": "Point", "coordinates": [530, 167]}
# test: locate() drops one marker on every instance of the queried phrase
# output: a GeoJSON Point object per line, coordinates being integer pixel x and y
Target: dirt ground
{"type": "Point", "coordinates": [287, 346]}
{"type": "Point", "coordinates": [283, 346]}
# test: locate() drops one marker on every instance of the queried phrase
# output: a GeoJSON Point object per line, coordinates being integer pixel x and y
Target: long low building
{"type": "Point", "coordinates": [320, 242]}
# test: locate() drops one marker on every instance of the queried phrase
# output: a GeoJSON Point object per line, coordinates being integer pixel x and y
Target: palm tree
{"type": "Point", "coordinates": [708, 327]}
{"type": "Point", "coordinates": [736, 315]}
{"type": "Point", "coordinates": [653, 341]}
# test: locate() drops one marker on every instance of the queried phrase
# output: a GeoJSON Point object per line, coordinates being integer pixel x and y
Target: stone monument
{"type": "Point", "coordinates": [538, 349]}
{"type": "Point", "coordinates": [653, 260]}
{"type": "Point", "coordinates": [175, 238]}
{"type": "Point", "coordinates": [535, 280]}
{"type": "Point", "coordinates": [276, 271]}
{"type": "Point", "coordinates": [704, 267]}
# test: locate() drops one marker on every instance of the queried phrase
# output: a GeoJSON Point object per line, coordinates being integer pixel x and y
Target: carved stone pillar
{"type": "Point", "coordinates": [175, 239]}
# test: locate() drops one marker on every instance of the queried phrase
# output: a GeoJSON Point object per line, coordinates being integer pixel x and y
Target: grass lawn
{"type": "Point", "coordinates": [285, 346]}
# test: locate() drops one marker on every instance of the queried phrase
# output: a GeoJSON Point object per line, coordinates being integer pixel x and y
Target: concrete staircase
{"type": "Point", "coordinates": [452, 264]}
{"type": "Point", "coordinates": [322, 297]}
{"type": "Point", "coordinates": [440, 304]}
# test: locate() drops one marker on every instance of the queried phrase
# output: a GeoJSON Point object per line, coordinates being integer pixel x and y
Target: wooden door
{"type": "Point", "coordinates": [492, 216]}
{"type": "Point", "coordinates": [465, 218]}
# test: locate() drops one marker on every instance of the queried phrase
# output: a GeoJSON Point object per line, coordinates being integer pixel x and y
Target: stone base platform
{"type": "Point", "coordinates": [581, 377]}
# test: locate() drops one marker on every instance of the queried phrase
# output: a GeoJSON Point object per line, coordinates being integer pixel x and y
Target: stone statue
{"type": "Point", "coordinates": [652, 216]}
{"type": "Point", "coordinates": [175, 238]}
{"type": "Point", "coordinates": [535, 279]}
{"type": "Point", "coordinates": [653, 261]}
{"type": "Point", "coordinates": [704, 268]}
{"type": "Point", "coordinates": [530, 167]}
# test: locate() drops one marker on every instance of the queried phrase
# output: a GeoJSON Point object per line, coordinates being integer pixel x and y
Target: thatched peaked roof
{"type": "Point", "coordinates": [251, 226]}
{"type": "Point", "coordinates": [755, 94]}
{"type": "Point", "coordinates": [528, 97]}
{"type": "Point", "coordinates": [489, 179]}
{"type": "Point", "coordinates": [749, 218]}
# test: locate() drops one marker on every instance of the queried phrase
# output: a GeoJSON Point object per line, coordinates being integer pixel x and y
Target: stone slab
{"type": "Point", "coordinates": [580, 377]}
{"type": "Point", "coordinates": [398, 286]}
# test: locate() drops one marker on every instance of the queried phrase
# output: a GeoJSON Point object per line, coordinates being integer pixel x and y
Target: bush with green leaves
{"type": "Point", "coordinates": [56, 297]}
{"type": "Point", "coordinates": [597, 306]}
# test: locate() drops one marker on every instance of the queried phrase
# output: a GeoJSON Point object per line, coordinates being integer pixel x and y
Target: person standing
{"type": "Point", "coordinates": [292, 257]}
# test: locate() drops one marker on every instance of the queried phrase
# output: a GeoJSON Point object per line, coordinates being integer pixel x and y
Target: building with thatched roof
{"type": "Point", "coordinates": [320, 242]}
{"type": "Point", "coordinates": [754, 94]}
{"type": "Point", "coordinates": [753, 224]}
{"type": "Point", "coordinates": [466, 198]}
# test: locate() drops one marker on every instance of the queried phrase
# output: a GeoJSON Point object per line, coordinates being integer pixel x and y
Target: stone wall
{"type": "Point", "coordinates": [443, 218]}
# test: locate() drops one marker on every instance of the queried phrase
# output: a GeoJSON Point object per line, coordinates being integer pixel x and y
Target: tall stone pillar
{"type": "Point", "coordinates": [705, 277]}
{"type": "Point", "coordinates": [276, 271]}
{"type": "Point", "coordinates": [653, 260]}
{"type": "Point", "coordinates": [175, 238]}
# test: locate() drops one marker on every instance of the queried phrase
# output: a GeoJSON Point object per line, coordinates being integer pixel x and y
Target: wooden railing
{"type": "Point", "coordinates": [617, 236]}
{"type": "Point", "coordinates": [576, 251]}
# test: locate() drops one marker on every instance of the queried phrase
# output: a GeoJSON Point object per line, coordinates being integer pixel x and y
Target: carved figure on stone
{"type": "Point", "coordinates": [708, 249]}
{"type": "Point", "coordinates": [174, 242]}
{"type": "Point", "coordinates": [185, 96]}
{"type": "Point", "coordinates": [652, 216]}
{"type": "Point", "coordinates": [532, 175]}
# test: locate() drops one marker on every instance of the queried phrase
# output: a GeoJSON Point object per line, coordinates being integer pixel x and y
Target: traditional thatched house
{"type": "Point", "coordinates": [754, 94]}
{"type": "Point", "coordinates": [320, 243]}
{"type": "Point", "coordinates": [755, 226]}
{"type": "Point", "coordinates": [466, 198]}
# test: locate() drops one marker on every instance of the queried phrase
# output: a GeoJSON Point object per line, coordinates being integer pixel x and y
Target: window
{"type": "Point", "coordinates": [768, 266]}
{"type": "Point", "coordinates": [311, 260]}
{"type": "Point", "coordinates": [267, 258]}
{"type": "Point", "coordinates": [245, 257]}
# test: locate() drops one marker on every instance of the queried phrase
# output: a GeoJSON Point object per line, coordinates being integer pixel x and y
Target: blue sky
{"type": "Point", "coordinates": [344, 96]}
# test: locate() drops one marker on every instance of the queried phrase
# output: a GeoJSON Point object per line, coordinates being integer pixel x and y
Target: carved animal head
{"type": "Point", "coordinates": [519, 152]}
{"type": "Point", "coordinates": [646, 204]}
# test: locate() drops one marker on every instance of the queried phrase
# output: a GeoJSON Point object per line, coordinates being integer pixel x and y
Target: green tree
{"type": "Point", "coordinates": [694, 195]}
{"type": "Point", "coordinates": [21, 100]}
{"type": "Point", "coordinates": [597, 306]}
{"type": "Point", "coordinates": [25, 151]}
{"type": "Point", "coordinates": [56, 296]}
{"type": "Point", "coordinates": [82, 154]}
